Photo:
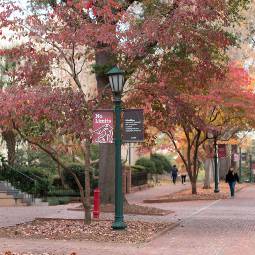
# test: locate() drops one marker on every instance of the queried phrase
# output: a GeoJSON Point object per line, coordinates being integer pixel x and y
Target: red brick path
{"type": "Point", "coordinates": [224, 227]}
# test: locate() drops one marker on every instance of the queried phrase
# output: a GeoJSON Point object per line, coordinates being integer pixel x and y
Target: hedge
{"type": "Point", "coordinates": [33, 180]}
{"type": "Point", "coordinates": [78, 169]}
{"type": "Point", "coordinates": [148, 164]}
{"type": "Point", "coordinates": [161, 162]}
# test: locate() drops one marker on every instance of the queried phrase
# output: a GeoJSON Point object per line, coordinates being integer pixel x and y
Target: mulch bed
{"type": "Point", "coordinates": [28, 253]}
{"type": "Point", "coordinates": [202, 194]}
{"type": "Point", "coordinates": [131, 209]}
{"type": "Point", "coordinates": [136, 232]}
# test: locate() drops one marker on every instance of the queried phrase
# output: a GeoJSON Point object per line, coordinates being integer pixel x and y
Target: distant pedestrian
{"type": "Point", "coordinates": [231, 179]}
{"type": "Point", "coordinates": [183, 174]}
{"type": "Point", "coordinates": [174, 173]}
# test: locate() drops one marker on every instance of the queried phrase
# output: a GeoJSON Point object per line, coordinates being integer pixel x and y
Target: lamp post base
{"type": "Point", "coordinates": [216, 191]}
{"type": "Point", "coordinates": [118, 225]}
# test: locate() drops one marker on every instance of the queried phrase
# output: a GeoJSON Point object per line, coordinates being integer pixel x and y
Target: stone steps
{"type": "Point", "coordinates": [10, 196]}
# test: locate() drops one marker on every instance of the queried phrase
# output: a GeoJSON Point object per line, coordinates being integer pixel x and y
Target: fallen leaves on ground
{"type": "Point", "coordinates": [132, 209]}
{"type": "Point", "coordinates": [136, 232]}
{"type": "Point", "coordinates": [28, 253]}
{"type": "Point", "coordinates": [23, 253]}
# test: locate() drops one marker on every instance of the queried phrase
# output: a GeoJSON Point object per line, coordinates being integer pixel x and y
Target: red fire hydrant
{"type": "Point", "coordinates": [96, 210]}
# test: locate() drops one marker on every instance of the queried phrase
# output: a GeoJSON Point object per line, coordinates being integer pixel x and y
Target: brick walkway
{"type": "Point", "coordinates": [225, 227]}
{"type": "Point", "coordinates": [159, 190]}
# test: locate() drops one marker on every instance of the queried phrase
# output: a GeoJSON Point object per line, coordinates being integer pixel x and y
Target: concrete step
{"type": "Point", "coordinates": [11, 202]}
{"type": "Point", "coordinates": [10, 196]}
{"type": "Point", "coordinates": [5, 195]}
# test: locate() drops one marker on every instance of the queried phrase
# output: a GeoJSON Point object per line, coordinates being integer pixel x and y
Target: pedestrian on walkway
{"type": "Point", "coordinates": [174, 173]}
{"type": "Point", "coordinates": [183, 174]}
{"type": "Point", "coordinates": [231, 179]}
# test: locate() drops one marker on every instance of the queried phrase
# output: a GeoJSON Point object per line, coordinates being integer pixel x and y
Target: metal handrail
{"type": "Point", "coordinates": [5, 165]}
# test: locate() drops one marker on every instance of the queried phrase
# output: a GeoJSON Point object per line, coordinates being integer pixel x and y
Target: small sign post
{"type": "Point", "coordinates": [222, 152]}
{"type": "Point", "coordinates": [244, 156]}
{"type": "Point", "coordinates": [133, 126]}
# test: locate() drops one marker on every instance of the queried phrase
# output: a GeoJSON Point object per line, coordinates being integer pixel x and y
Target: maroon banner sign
{"type": "Point", "coordinates": [222, 151]}
{"type": "Point", "coordinates": [102, 126]}
{"type": "Point", "coordinates": [209, 151]}
{"type": "Point", "coordinates": [253, 166]}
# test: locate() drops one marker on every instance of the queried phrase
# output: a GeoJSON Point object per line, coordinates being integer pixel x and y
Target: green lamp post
{"type": "Point", "coordinates": [250, 168]}
{"type": "Point", "coordinates": [214, 135]}
{"type": "Point", "coordinates": [116, 78]}
{"type": "Point", "coordinates": [240, 164]}
{"type": "Point", "coordinates": [216, 175]}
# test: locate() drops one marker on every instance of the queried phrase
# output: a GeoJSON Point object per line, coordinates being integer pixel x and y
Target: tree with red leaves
{"type": "Point", "coordinates": [226, 106]}
{"type": "Point", "coordinates": [176, 46]}
{"type": "Point", "coordinates": [40, 111]}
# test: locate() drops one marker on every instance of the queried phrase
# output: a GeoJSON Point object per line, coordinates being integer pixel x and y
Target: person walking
{"type": "Point", "coordinates": [183, 174]}
{"type": "Point", "coordinates": [174, 173]}
{"type": "Point", "coordinates": [231, 179]}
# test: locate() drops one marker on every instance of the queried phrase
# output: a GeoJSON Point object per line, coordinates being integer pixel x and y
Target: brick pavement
{"type": "Point", "coordinates": [160, 190]}
{"type": "Point", "coordinates": [14, 215]}
{"type": "Point", "coordinates": [225, 227]}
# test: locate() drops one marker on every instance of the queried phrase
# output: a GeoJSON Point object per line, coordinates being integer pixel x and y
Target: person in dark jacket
{"type": "Point", "coordinates": [174, 173]}
{"type": "Point", "coordinates": [231, 179]}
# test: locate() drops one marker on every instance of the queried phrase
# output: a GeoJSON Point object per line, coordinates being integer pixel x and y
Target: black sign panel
{"type": "Point", "coordinates": [133, 125]}
{"type": "Point", "coordinates": [244, 156]}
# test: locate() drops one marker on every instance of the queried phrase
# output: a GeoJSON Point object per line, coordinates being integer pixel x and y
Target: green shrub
{"type": "Point", "coordinates": [78, 169]}
{"type": "Point", "coordinates": [56, 181]}
{"type": "Point", "coordinates": [34, 158]}
{"type": "Point", "coordinates": [94, 150]}
{"type": "Point", "coordinates": [158, 164]}
{"type": "Point", "coordinates": [63, 193]}
{"type": "Point", "coordinates": [32, 180]}
{"type": "Point", "coordinates": [137, 168]}
{"type": "Point", "coordinates": [161, 162]}
{"type": "Point", "coordinates": [58, 200]}
{"type": "Point", "coordinates": [148, 164]}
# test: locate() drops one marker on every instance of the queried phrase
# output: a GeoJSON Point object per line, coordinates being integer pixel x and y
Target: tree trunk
{"type": "Point", "coordinates": [208, 173]}
{"type": "Point", "coordinates": [106, 151]}
{"type": "Point", "coordinates": [10, 139]}
{"type": "Point", "coordinates": [194, 186]}
{"type": "Point", "coordinates": [87, 204]}
{"type": "Point", "coordinates": [106, 173]}
{"type": "Point", "coordinates": [60, 173]}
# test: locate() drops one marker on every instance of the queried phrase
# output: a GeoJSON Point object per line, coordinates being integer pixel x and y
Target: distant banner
{"type": "Point", "coordinates": [222, 150]}
{"type": "Point", "coordinates": [253, 166]}
{"type": "Point", "coordinates": [236, 157]}
{"type": "Point", "coordinates": [133, 125]}
{"type": "Point", "coordinates": [233, 153]}
{"type": "Point", "coordinates": [102, 126]}
{"type": "Point", "coordinates": [209, 151]}
{"type": "Point", "coordinates": [244, 156]}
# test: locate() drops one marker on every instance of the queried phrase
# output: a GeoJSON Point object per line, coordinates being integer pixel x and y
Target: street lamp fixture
{"type": "Point", "coordinates": [116, 79]}
{"type": "Point", "coordinates": [214, 135]}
